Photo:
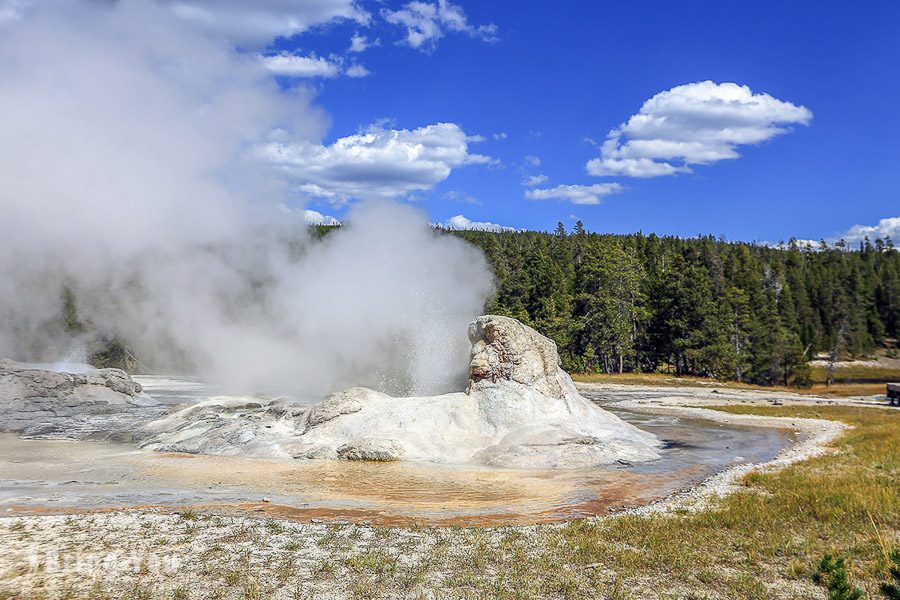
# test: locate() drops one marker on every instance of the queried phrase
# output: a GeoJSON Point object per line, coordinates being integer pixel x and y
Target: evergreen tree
{"type": "Point", "coordinates": [697, 306]}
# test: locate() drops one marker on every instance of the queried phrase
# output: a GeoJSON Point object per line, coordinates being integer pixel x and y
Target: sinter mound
{"type": "Point", "coordinates": [520, 410]}
{"type": "Point", "coordinates": [97, 404]}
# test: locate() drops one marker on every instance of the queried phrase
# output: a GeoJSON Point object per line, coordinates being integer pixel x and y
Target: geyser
{"type": "Point", "coordinates": [520, 410]}
{"type": "Point", "coordinates": [129, 183]}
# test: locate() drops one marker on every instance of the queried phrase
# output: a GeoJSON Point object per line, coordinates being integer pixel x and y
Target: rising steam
{"type": "Point", "coordinates": [127, 177]}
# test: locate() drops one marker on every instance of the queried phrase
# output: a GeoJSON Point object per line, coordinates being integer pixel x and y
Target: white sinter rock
{"type": "Point", "coordinates": [36, 402]}
{"type": "Point", "coordinates": [520, 410]}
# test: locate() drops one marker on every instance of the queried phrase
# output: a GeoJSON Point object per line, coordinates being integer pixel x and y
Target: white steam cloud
{"type": "Point", "coordinates": [127, 175]}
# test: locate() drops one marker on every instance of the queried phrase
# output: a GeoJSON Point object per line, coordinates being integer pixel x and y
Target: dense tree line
{"type": "Point", "coordinates": [700, 306]}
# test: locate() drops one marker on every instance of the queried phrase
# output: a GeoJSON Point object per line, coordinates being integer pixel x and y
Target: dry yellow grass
{"type": "Point", "coordinates": [661, 379]}
{"type": "Point", "coordinates": [762, 542]}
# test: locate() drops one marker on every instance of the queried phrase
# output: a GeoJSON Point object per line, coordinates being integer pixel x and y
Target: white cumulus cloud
{"type": "Point", "coordinates": [694, 124]}
{"type": "Point", "coordinates": [375, 163]}
{"type": "Point", "coordinates": [427, 22]}
{"type": "Point", "coordinates": [305, 215]}
{"type": "Point", "coordinates": [576, 194]}
{"type": "Point", "coordinates": [884, 229]}
{"type": "Point", "coordinates": [632, 167]}
{"type": "Point", "coordinates": [463, 223]}
{"type": "Point", "coordinates": [360, 43]}
{"type": "Point", "coordinates": [533, 180]}
{"type": "Point", "coordinates": [889, 227]}
{"type": "Point", "coordinates": [256, 24]}
{"type": "Point", "coordinates": [250, 25]}
{"type": "Point", "coordinates": [357, 71]}
{"type": "Point", "coordinates": [293, 65]}
{"type": "Point", "coordinates": [314, 217]}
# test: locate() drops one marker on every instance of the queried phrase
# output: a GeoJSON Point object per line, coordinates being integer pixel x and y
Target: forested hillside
{"type": "Point", "coordinates": [699, 306]}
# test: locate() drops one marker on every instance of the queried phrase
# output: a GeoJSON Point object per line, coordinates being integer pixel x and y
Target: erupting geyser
{"type": "Point", "coordinates": [520, 410]}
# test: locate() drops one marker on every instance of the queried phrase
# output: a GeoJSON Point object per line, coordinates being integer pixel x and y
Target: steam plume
{"type": "Point", "coordinates": [127, 177]}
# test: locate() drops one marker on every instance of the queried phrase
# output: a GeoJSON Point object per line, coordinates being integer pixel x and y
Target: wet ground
{"type": "Point", "coordinates": [63, 476]}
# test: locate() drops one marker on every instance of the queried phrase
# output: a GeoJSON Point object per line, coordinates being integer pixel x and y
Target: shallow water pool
{"type": "Point", "coordinates": [64, 476]}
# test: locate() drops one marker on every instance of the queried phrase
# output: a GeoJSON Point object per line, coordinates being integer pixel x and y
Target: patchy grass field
{"type": "Point", "coordinates": [841, 389]}
{"type": "Point", "coordinates": [851, 373]}
{"type": "Point", "coordinates": [762, 542]}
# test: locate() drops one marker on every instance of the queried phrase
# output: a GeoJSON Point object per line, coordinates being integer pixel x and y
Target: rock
{"type": "Point", "coordinates": [520, 410]}
{"type": "Point", "coordinates": [505, 349]}
{"type": "Point", "coordinates": [21, 380]}
{"type": "Point", "coordinates": [371, 449]}
{"type": "Point", "coordinates": [230, 426]}
{"type": "Point", "coordinates": [318, 453]}
{"type": "Point", "coordinates": [342, 403]}
{"type": "Point", "coordinates": [98, 404]}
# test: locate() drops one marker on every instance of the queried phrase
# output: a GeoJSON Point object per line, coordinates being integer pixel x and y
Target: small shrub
{"type": "Point", "coordinates": [891, 590]}
{"type": "Point", "coordinates": [274, 526]}
{"type": "Point", "coordinates": [832, 574]}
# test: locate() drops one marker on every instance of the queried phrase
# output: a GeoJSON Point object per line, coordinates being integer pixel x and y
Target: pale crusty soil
{"type": "Point", "coordinates": [147, 554]}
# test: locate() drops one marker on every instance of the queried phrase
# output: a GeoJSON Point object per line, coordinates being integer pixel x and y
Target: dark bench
{"type": "Point", "coordinates": [893, 393]}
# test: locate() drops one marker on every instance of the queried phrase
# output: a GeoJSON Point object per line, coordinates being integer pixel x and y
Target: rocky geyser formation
{"type": "Point", "coordinates": [100, 404]}
{"type": "Point", "coordinates": [520, 410]}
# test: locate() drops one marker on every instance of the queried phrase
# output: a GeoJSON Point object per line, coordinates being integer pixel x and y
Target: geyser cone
{"type": "Point", "coordinates": [520, 410]}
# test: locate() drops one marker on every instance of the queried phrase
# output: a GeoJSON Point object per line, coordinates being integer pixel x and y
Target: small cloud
{"type": "Point", "coordinates": [357, 71]}
{"type": "Point", "coordinates": [461, 197]}
{"type": "Point", "coordinates": [533, 180]}
{"type": "Point", "coordinates": [576, 194]}
{"type": "Point", "coordinates": [308, 216]}
{"type": "Point", "coordinates": [631, 167]}
{"type": "Point", "coordinates": [313, 217]}
{"type": "Point", "coordinates": [500, 135]}
{"type": "Point", "coordinates": [292, 65]}
{"type": "Point", "coordinates": [427, 22]}
{"type": "Point", "coordinates": [532, 161]}
{"type": "Point", "coordinates": [886, 228]}
{"type": "Point", "coordinates": [459, 222]}
{"type": "Point", "coordinates": [360, 43]}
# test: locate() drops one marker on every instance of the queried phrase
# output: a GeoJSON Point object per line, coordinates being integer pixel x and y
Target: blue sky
{"type": "Point", "coordinates": [752, 120]}
{"type": "Point", "coordinates": [550, 78]}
